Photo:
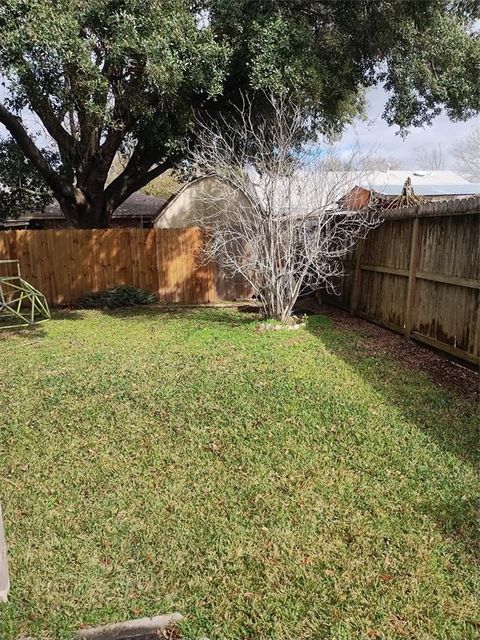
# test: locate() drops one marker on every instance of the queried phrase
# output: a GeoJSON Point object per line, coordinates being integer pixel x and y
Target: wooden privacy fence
{"type": "Point", "coordinates": [65, 264]}
{"type": "Point", "coordinates": [419, 274]}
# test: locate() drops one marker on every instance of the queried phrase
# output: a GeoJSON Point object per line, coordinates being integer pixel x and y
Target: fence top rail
{"type": "Point", "coordinates": [111, 231]}
{"type": "Point", "coordinates": [461, 206]}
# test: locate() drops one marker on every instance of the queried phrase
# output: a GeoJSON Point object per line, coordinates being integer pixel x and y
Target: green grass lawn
{"type": "Point", "coordinates": [279, 485]}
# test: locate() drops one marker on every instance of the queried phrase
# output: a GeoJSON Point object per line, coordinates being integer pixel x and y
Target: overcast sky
{"type": "Point", "coordinates": [375, 133]}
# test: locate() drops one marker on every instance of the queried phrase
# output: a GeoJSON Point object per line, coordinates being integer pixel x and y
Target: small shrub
{"type": "Point", "coordinates": [123, 296]}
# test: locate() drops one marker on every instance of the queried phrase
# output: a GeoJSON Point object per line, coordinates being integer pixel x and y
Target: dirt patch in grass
{"type": "Point", "coordinates": [378, 341]}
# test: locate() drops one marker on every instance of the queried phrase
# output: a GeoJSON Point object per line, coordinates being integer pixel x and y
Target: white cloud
{"type": "Point", "coordinates": [374, 133]}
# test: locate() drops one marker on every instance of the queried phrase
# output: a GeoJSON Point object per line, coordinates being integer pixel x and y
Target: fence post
{"type": "Point", "coordinates": [412, 273]}
{"type": "Point", "coordinates": [356, 277]}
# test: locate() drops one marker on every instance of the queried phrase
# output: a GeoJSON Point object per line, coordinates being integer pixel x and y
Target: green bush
{"type": "Point", "coordinates": [123, 296]}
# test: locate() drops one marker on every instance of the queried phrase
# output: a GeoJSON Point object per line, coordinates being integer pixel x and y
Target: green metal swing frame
{"type": "Point", "coordinates": [19, 300]}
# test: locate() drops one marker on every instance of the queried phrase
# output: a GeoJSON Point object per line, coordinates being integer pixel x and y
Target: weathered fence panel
{"type": "Point", "coordinates": [419, 274]}
{"type": "Point", "coordinates": [67, 263]}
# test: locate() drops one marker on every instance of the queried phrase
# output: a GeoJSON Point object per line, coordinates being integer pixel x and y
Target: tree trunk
{"type": "Point", "coordinates": [277, 304]}
{"type": "Point", "coordinates": [86, 212]}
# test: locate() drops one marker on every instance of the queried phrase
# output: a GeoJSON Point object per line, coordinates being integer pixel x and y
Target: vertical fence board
{"type": "Point", "coordinates": [356, 276]}
{"type": "Point", "coordinates": [39, 273]}
{"type": "Point", "coordinates": [149, 260]}
{"type": "Point", "coordinates": [95, 250]}
{"type": "Point", "coordinates": [183, 291]}
{"type": "Point", "coordinates": [412, 275]}
{"type": "Point", "coordinates": [188, 264]}
{"type": "Point", "coordinates": [161, 262]}
{"type": "Point", "coordinates": [170, 266]}
{"type": "Point", "coordinates": [176, 248]}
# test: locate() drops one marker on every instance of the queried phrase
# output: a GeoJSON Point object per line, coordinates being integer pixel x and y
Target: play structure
{"type": "Point", "coordinates": [21, 304]}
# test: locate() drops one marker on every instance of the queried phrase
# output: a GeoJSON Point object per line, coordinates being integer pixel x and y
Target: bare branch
{"type": "Point", "coordinates": [271, 208]}
{"type": "Point", "coordinates": [431, 158]}
{"type": "Point", "coordinates": [467, 154]}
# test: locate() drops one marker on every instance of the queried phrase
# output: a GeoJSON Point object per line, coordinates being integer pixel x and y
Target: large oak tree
{"type": "Point", "coordinates": [103, 76]}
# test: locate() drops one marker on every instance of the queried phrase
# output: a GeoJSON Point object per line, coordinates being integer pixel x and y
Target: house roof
{"type": "Point", "coordinates": [472, 188]}
{"type": "Point", "coordinates": [425, 183]}
{"type": "Point", "coordinates": [138, 205]}
{"type": "Point", "coordinates": [418, 177]}
{"type": "Point", "coordinates": [163, 207]}
{"type": "Point", "coordinates": [318, 188]}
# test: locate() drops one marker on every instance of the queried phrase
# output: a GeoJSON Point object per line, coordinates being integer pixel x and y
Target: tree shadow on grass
{"type": "Point", "coordinates": [67, 314]}
{"type": "Point", "coordinates": [416, 395]}
{"type": "Point", "coordinates": [422, 402]}
{"type": "Point", "coordinates": [36, 331]}
{"type": "Point", "coordinates": [9, 336]}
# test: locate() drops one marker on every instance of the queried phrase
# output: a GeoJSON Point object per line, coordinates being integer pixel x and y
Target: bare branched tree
{"type": "Point", "coordinates": [271, 208]}
{"type": "Point", "coordinates": [431, 158]}
{"type": "Point", "coordinates": [467, 154]}
{"type": "Point", "coordinates": [383, 163]}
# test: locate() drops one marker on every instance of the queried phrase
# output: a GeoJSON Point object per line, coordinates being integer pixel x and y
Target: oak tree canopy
{"type": "Point", "coordinates": [106, 75]}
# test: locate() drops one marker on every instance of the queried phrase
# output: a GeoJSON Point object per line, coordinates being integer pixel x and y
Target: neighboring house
{"type": "Point", "coordinates": [386, 186]}
{"type": "Point", "coordinates": [329, 189]}
{"type": "Point", "coordinates": [138, 211]}
{"type": "Point", "coordinates": [193, 203]}
{"type": "Point", "coordinates": [50, 218]}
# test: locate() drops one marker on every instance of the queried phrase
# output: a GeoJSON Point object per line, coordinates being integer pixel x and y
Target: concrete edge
{"type": "Point", "coordinates": [4, 577]}
{"type": "Point", "coordinates": [130, 628]}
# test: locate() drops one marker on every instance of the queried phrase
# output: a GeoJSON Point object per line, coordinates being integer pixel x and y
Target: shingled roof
{"type": "Point", "coordinates": [138, 205]}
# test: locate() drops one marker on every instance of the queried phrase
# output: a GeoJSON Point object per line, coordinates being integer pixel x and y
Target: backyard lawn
{"type": "Point", "coordinates": [278, 485]}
